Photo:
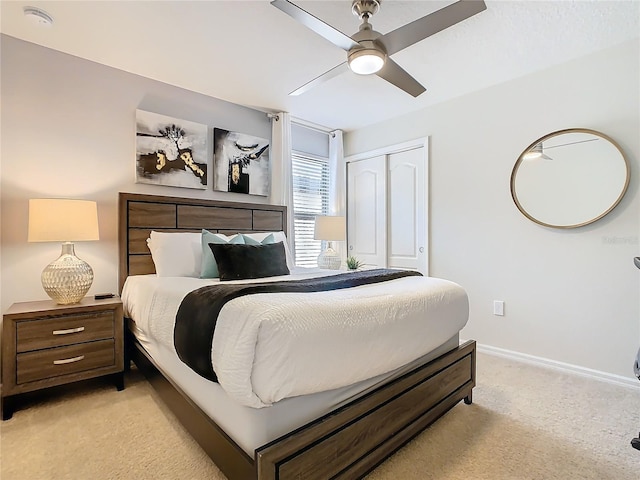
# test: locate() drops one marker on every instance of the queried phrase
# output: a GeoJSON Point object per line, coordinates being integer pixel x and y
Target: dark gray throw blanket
{"type": "Point", "coordinates": [198, 313]}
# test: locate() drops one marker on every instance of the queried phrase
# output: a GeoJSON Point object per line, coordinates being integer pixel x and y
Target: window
{"type": "Point", "coordinates": [310, 198]}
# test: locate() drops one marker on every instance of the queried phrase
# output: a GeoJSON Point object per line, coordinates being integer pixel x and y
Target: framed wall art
{"type": "Point", "coordinates": [170, 151]}
{"type": "Point", "coordinates": [241, 163]}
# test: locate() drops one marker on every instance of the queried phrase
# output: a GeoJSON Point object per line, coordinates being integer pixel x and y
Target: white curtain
{"type": "Point", "coordinates": [337, 197]}
{"type": "Point", "coordinates": [337, 183]}
{"type": "Point", "coordinates": [281, 177]}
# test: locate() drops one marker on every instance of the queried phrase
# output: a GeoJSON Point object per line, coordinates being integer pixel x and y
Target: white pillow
{"type": "Point", "coordinates": [277, 237]}
{"type": "Point", "coordinates": [176, 254]}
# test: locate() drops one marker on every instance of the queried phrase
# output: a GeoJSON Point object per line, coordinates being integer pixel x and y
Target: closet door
{"type": "Point", "coordinates": [387, 206]}
{"type": "Point", "coordinates": [367, 210]}
{"type": "Point", "coordinates": [407, 210]}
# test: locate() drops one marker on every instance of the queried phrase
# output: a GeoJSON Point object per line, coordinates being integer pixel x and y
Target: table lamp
{"type": "Point", "coordinates": [330, 228]}
{"type": "Point", "coordinates": [67, 279]}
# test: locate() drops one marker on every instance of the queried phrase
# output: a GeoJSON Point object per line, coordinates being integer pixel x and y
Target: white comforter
{"type": "Point", "coordinates": [268, 347]}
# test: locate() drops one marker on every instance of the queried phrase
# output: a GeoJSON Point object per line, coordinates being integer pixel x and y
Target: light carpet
{"type": "Point", "coordinates": [526, 422]}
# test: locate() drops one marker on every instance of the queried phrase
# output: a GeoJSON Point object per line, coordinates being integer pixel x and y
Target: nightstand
{"type": "Point", "coordinates": [45, 344]}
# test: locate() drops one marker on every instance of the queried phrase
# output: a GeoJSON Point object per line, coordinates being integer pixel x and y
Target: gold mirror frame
{"type": "Point", "coordinates": [535, 145]}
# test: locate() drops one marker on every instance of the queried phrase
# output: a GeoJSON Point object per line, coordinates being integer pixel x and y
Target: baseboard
{"type": "Point", "coordinates": [560, 366]}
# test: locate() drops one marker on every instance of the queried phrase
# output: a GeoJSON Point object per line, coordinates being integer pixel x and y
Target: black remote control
{"type": "Point", "coordinates": [101, 296]}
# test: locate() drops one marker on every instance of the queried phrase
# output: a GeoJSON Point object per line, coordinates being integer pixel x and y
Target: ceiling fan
{"type": "Point", "coordinates": [368, 51]}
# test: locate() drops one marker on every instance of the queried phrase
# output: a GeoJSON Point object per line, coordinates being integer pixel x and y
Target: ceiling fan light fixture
{"type": "Point", "coordinates": [365, 61]}
{"type": "Point", "coordinates": [368, 51]}
{"type": "Point", "coordinates": [535, 152]}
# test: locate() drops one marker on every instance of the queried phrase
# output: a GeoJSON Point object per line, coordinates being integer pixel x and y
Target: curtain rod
{"type": "Point", "coordinates": [305, 124]}
{"type": "Point", "coordinates": [311, 125]}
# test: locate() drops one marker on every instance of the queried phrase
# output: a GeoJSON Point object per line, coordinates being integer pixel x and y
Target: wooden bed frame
{"type": "Point", "coordinates": [348, 442]}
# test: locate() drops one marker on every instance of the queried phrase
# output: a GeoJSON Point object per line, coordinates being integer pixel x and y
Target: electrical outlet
{"type": "Point", "coordinates": [498, 307]}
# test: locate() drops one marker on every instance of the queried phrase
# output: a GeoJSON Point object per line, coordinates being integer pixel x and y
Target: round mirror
{"type": "Point", "coordinates": [569, 178]}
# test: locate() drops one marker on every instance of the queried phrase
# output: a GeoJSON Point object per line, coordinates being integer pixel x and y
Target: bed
{"type": "Point", "coordinates": [357, 426]}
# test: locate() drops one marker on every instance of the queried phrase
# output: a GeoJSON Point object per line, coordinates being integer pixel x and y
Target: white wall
{"type": "Point", "coordinates": [68, 130]}
{"type": "Point", "coordinates": [571, 296]}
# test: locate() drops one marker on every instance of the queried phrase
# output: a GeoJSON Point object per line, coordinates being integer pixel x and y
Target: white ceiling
{"type": "Point", "coordinates": [250, 53]}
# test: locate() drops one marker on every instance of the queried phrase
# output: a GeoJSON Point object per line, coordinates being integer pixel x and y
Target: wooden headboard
{"type": "Point", "coordinates": [138, 214]}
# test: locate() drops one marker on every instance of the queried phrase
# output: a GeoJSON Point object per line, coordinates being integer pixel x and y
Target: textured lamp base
{"type": "Point", "coordinates": [329, 259]}
{"type": "Point", "coordinates": [67, 279]}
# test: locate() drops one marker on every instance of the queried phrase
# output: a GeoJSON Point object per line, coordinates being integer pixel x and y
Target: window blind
{"type": "Point", "coordinates": [310, 198]}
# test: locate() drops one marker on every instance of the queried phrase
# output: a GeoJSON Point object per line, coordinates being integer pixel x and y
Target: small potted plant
{"type": "Point", "coordinates": [353, 263]}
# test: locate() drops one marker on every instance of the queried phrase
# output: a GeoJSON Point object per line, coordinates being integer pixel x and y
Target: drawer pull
{"type": "Point", "coordinates": [69, 330]}
{"type": "Point", "coordinates": [68, 360]}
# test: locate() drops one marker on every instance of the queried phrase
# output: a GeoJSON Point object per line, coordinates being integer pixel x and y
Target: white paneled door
{"type": "Point", "coordinates": [367, 210]}
{"type": "Point", "coordinates": [387, 207]}
{"type": "Point", "coordinates": [407, 211]}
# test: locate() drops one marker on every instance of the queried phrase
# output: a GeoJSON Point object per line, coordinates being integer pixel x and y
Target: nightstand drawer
{"type": "Point", "coordinates": [64, 330]}
{"type": "Point", "coordinates": [54, 362]}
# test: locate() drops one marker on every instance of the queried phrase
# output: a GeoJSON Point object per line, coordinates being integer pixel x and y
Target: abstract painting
{"type": "Point", "coordinates": [170, 151]}
{"type": "Point", "coordinates": [241, 163]}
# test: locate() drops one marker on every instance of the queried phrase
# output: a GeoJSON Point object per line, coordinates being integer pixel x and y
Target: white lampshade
{"type": "Point", "coordinates": [62, 220]}
{"type": "Point", "coordinates": [329, 228]}
{"type": "Point", "coordinates": [68, 278]}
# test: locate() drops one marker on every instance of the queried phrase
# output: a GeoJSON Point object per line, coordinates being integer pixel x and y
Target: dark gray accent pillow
{"type": "Point", "coordinates": [238, 262]}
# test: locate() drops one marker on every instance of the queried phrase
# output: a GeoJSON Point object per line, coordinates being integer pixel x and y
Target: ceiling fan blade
{"type": "Point", "coordinates": [314, 23]}
{"type": "Point", "coordinates": [396, 75]}
{"type": "Point", "coordinates": [428, 25]}
{"type": "Point", "coordinates": [334, 72]}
